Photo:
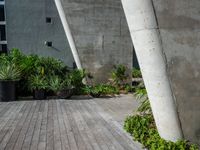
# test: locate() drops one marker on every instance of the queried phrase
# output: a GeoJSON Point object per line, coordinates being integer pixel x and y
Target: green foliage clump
{"type": "Point", "coordinates": [38, 72]}
{"type": "Point", "coordinates": [9, 72]}
{"type": "Point", "coordinates": [38, 83]}
{"type": "Point", "coordinates": [119, 76]}
{"type": "Point", "coordinates": [100, 89]}
{"type": "Point", "coordinates": [140, 93]}
{"type": "Point", "coordinates": [143, 129]}
{"type": "Point", "coordinates": [136, 73]}
{"type": "Point", "coordinates": [57, 84]}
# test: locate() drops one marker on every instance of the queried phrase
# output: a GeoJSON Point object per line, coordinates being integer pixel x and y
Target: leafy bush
{"type": "Point", "coordinates": [51, 66]}
{"type": "Point", "coordinates": [141, 95]}
{"type": "Point", "coordinates": [143, 129]}
{"type": "Point", "coordinates": [119, 76]}
{"type": "Point", "coordinates": [57, 84]}
{"type": "Point", "coordinates": [100, 89]}
{"type": "Point", "coordinates": [76, 77]}
{"type": "Point", "coordinates": [136, 73]}
{"type": "Point", "coordinates": [142, 126]}
{"type": "Point", "coordinates": [37, 82]}
{"type": "Point", "coordinates": [10, 72]}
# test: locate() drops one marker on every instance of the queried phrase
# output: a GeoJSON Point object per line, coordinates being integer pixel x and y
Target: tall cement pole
{"type": "Point", "coordinates": [146, 39]}
{"type": "Point", "coordinates": [68, 33]}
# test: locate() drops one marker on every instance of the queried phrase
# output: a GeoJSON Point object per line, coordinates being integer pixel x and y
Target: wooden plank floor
{"type": "Point", "coordinates": [76, 124]}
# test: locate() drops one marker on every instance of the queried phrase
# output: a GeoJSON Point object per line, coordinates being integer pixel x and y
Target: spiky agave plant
{"type": "Point", "coordinates": [9, 72]}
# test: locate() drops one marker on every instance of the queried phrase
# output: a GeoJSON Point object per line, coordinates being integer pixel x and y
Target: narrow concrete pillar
{"type": "Point", "coordinates": [68, 33]}
{"type": "Point", "coordinates": [146, 39]}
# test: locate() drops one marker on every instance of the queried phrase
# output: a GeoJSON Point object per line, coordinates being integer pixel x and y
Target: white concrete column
{"type": "Point", "coordinates": [68, 33]}
{"type": "Point", "coordinates": [146, 39]}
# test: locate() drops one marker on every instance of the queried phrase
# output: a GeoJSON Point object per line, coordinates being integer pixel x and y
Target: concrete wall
{"type": "Point", "coordinates": [27, 29]}
{"type": "Point", "coordinates": [101, 35]}
{"type": "Point", "coordinates": [179, 23]}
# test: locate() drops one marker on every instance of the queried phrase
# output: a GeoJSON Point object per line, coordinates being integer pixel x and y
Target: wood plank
{"type": "Point", "coordinates": [50, 127]}
{"type": "Point", "coordinates": [5, 112]}
{"type": "Point", "coordinates": [36, 132]}
{"type": "Point", "coordinates": [79, 141]}
{"type": "Point", "coordinates": [80, 127]}
{"type": "Point", "coordinates": [122, 137]}
{"type": "Point", "coordinates": [14, 137]}
{"type": "Point", "coordinates": [69, 132]}
{"type": "Point", "coordinates": [43, 128]}
{"type": "Point", "coordinates": [57, 134]}
{"type": "Point", "coordinates": [21, 137]}
{"type": "Point", "coordinates": [64, 137]}
{"type": "Point", "coordinates": [94, 127]}
{"type": "Point", "coordinates": [81, 122]}
{"type": "Point", "coordinates": [6, 118]}
{"type": "Point", "coordinates": [11, 124]}
{"type": "Point", "coordinates": [111, 142]}
{"type": "Point", "coordinates": [29, 133]}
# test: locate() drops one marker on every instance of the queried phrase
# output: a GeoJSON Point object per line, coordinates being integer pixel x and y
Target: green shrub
{"type": "Point", "coordinates": [100, 89]}
{"type": "Point", "coordinates": [143, 129]}
{"type": "Point", "coordinates": [38, 82]}
{"type": "Point", "coordinates": [76, 77]}
{"type": "Point", "coordinates": [119, 76]}
{"type": "Point", "coordinates": [10, 72]}
{"type": "Point", "coordinates": [136, 73]}
{"type": "Point", "coordinates": [51, 66]}
{"type": "Point", "coordinates": [57, 84]}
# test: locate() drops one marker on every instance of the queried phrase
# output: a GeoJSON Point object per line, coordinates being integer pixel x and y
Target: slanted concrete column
{"type": "Point", "coordinates": [68, 33]}
{"type": "Point", "coordinates": [146, 39]}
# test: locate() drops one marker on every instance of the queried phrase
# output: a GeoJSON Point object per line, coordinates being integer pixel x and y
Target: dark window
{"type": "Point", "coordinates": [3, 48]}
{"type": "Point", "coordinates": [2, 33]}
{"type": "Point", "coordinates": [48, 20]}
{"type": "Point", "coordinates": [48, 43]}
{"type": "Point", "coordinates": [2, 14]}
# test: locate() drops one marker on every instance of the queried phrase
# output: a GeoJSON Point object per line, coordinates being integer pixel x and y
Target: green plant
{"type": "Point", "coordinates": [140, 93]}
{"type": "Point", "coordinates": [76, 77]}
{"type": "Point", "coordinates": [136, 73]}
{"type": "Point", "coordinates": [37, 82]}
{"type": "Point", "coordinates": [10, 72]}
{"type": "Point", "coordinates": [128, 88]}
{"type": "Point", "coordinates": [57, 84]}
{"type": "Point", "coordinates": [100, 89]}
{"type": "Point", "coordinates": [95, 91]}
{"type": "Point", "coordinates": [119, 75]}
{"type": "Point", "coordinates": [51, 66]}
{"type": "Point", "coordinates": [143, 129]}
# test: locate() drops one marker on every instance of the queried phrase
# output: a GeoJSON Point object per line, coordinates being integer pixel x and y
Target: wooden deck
{"type": "Point", "coordinates": [77, 124]}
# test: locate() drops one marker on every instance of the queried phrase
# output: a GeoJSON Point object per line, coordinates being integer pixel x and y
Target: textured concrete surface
{"type": "Point", "coordinates": [179, 23]}
{"type": "Point", "coordinates": [27, 29]}
{"type": "Point", "coordinates": [101, 35]}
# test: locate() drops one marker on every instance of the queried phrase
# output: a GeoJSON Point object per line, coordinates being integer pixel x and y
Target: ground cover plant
{"type": "Point", "coordinates": [143, 129]}
{"type": "Point", "coordinates": [100, 90]}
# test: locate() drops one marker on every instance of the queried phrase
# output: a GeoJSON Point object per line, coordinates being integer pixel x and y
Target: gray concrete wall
{"type": "Point", "coordinates": [179, 23]}
{"type": "Point", "coordinates": [27, 29]}
{"type": "Point", "coordinates": [101, 35]}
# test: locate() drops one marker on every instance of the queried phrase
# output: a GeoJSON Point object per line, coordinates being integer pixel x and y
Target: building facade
{"type": "Point", "coordinates": [98, 27]}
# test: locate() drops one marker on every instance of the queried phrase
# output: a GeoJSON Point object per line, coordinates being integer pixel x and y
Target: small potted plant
{"type": "Point", "coordinates": [61, 87]}
{"type": "Point", "coordinates": [38, 85]}
{"type": "Point", "coordinates": [9, 75]}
